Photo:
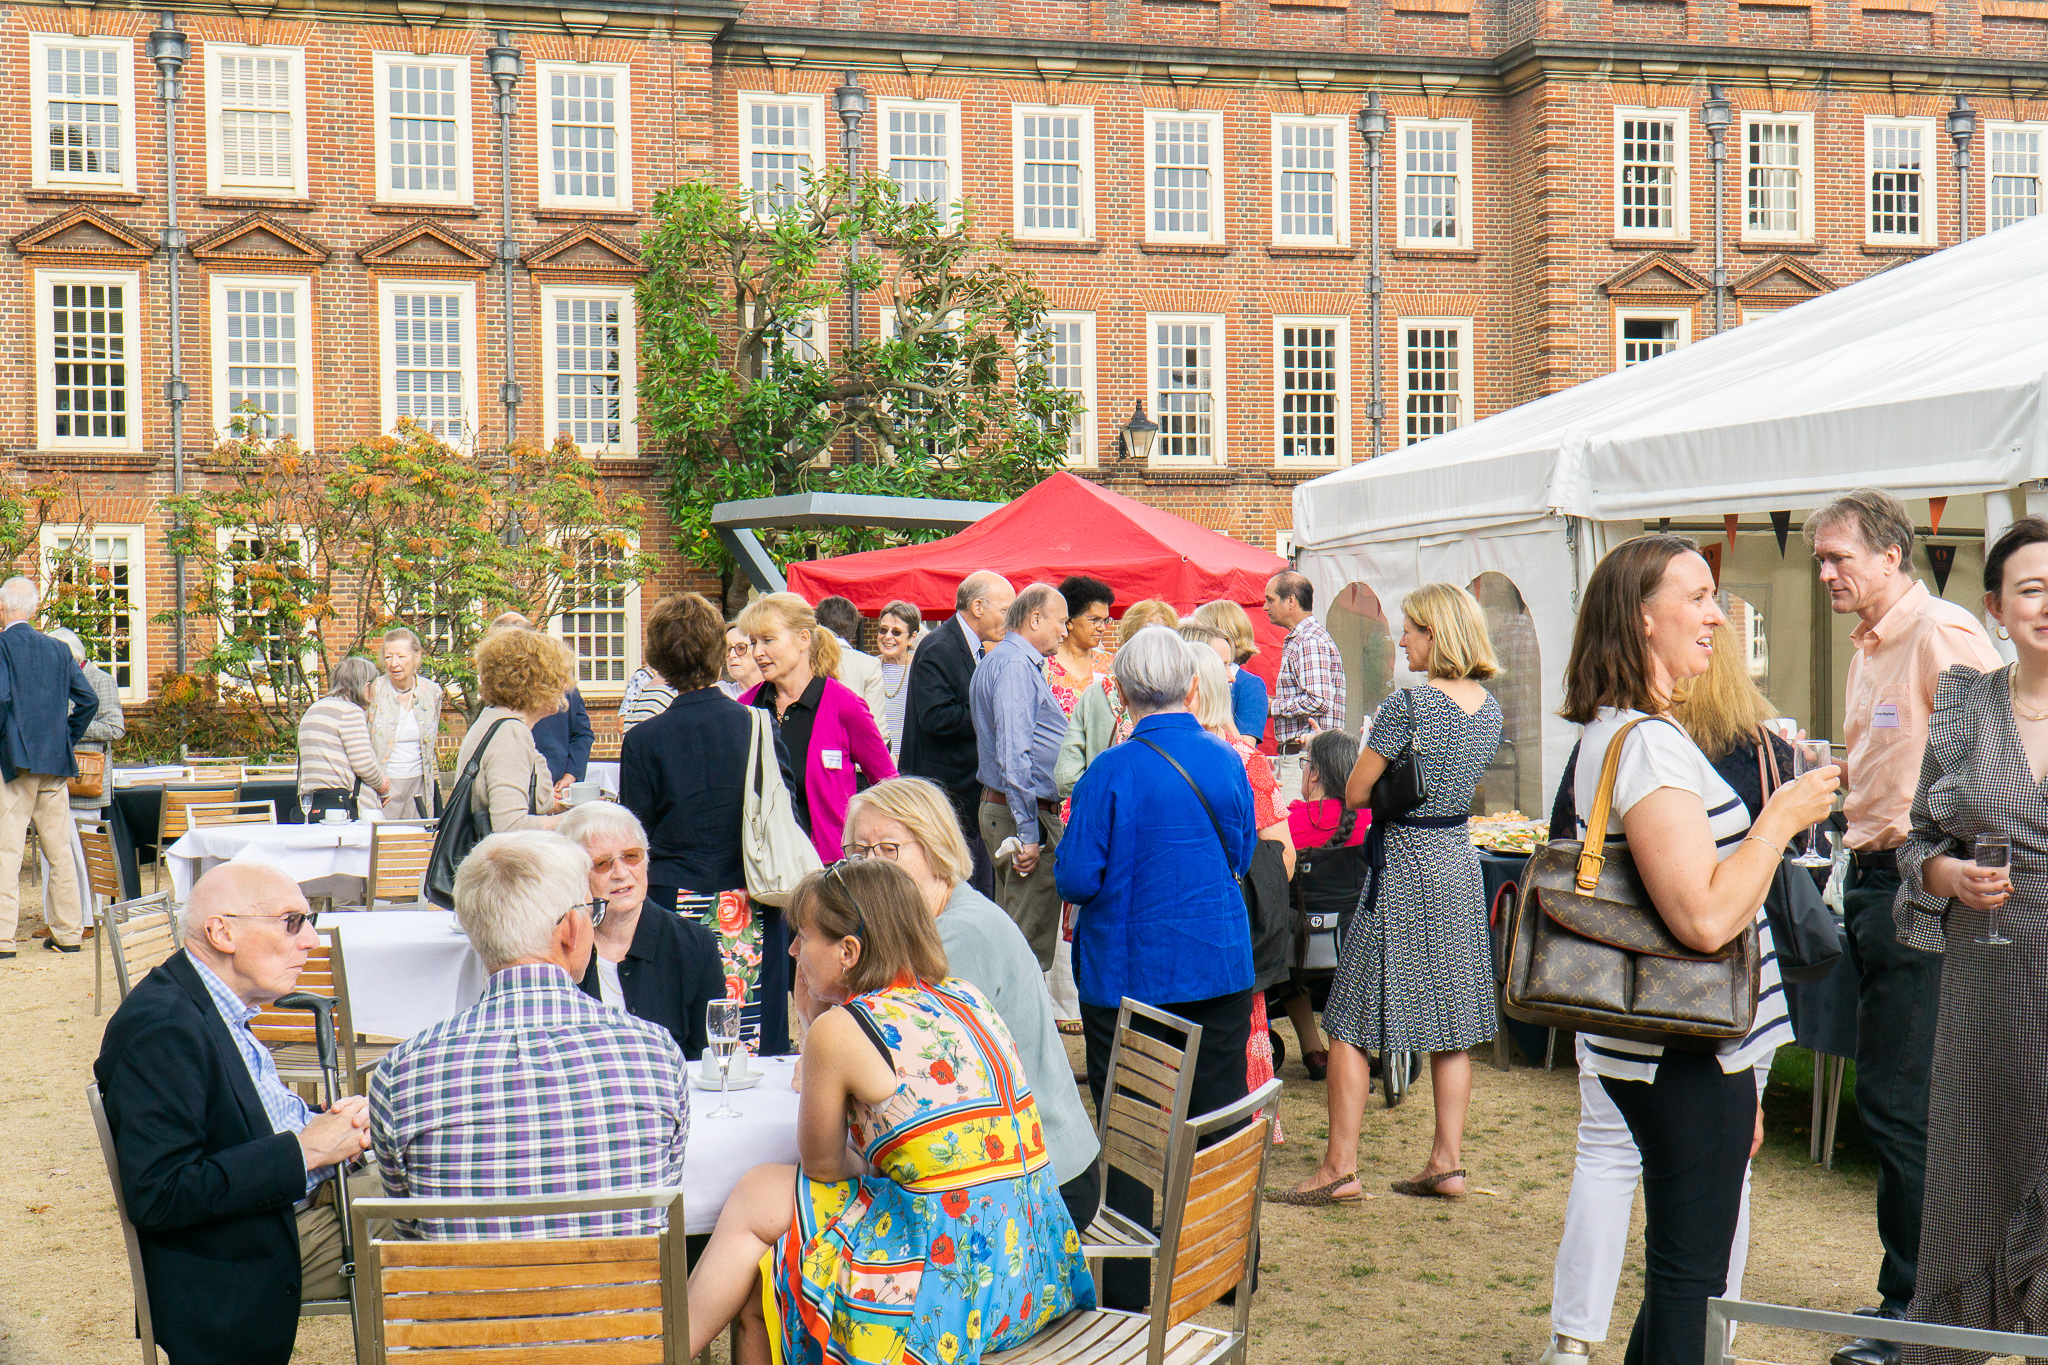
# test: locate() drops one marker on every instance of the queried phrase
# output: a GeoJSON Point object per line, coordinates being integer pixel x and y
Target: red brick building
{"type": "Point", "coordinates": [1184, 176]}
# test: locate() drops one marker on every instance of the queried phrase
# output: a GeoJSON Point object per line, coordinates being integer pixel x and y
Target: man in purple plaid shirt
{"type": "Point", "coordinates": [537, 1088]}
{"type": "Point", "coordinates": [1308, 694]}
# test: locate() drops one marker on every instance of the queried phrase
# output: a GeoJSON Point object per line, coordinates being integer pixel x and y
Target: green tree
{"type": "Point", "coordinates": [954, 401]}
{"type": "Point", "coordinates": [304, 557]}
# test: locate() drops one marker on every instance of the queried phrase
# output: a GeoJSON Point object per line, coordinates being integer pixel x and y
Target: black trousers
{"type": "Point", "coordinates": [1898, 1000]}
{"type": "Point", "coordinates": [1083, 1197]}
{"type": "Point", "coordinates": [1226, 1022]}
{"type": "Point", "coordinates": [1693, 1126]}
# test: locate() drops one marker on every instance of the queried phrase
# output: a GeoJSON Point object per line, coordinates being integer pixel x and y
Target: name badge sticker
{"type": "Point", "coordinates": [835, 759]}
{"type": "Point", "coordinates": [1885, 716]}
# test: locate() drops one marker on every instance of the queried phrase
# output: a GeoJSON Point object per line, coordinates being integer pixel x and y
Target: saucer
{"type": "Point", "coordinates": [736, 1083]}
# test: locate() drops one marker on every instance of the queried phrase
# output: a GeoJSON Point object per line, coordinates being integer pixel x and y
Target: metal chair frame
{"type": "Point", "coordinates": [385, 842]}
{"type": "Point", "coordinates": [121, 921]}
{"type": "Point", "coordinates": [1722, 1314]}
{"type": "Point", "coordinates": [293, 1048]}
{"type": "Point", "coordinates": [102, 877]}
{"type": "Point", "coordinates": [172, 819]}
{"type": "Point", "coordinates": [1145, 1098]}
{"type": "Point", "coordinates": [208, 814]}
{"type": "Point", "coordinates": [509, 1271]}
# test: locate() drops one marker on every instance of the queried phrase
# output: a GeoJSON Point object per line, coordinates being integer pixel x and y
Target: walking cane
{"type": "Point", "coordinates": [323, 1038]}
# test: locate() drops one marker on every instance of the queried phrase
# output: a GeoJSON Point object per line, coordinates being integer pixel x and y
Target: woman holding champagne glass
{"type": "Point", "coordinates": [1980, 805]}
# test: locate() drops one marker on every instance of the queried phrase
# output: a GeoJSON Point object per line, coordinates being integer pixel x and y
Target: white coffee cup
{"type": "Point", "coordinates": [736, 1069]}
{"type": "Point", "coordinates": [334, 816]}
{"type": "Point", "coordinates": [581, 792]}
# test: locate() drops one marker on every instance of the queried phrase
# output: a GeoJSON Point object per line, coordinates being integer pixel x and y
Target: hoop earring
{"type": "Point", "coordinates": [2002, 635]}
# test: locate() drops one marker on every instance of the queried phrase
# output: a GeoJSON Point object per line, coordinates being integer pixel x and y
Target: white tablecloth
{"type": "Point", "coordinates": [605, 775]}
{"type": "Point", "coordinates": [304, 853]}
{"type": "Point", "coordinates": [723, 1150]}
{"type": "Point", "coordinates": [407, 969]}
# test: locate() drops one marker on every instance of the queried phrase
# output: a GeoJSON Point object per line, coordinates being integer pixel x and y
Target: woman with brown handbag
{"type": "Point", "coordinates": [1645, 625]}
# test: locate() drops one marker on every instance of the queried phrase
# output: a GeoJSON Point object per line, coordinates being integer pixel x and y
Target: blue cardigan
{"type": "Point", "coordinates": [1161, 917]}
{"type": "Point", "coordinates": [1248, 704]}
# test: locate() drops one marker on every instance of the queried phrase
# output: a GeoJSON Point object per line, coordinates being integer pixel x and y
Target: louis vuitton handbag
{"type": "Point", "coordinates": [1587, 950]}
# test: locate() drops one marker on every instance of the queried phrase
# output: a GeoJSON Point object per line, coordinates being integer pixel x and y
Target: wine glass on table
{"type": "Point", "coordinates": [1811, 755]}
{"type": "Point", "coordinates": [722, 1023]}
{"type": "Point", "coordinates": [1993, 851]}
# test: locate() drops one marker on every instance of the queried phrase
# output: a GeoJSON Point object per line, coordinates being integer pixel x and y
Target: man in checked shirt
{"type": "Point", "coordinates": [537, 1088]}
{"type": "Point", "coordinates": [1308, 693]}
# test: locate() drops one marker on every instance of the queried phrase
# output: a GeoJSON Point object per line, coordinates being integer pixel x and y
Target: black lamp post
{"type": "Point", "coordinates": [1715, 116]}
{"type": "Point", "coordinates": [850, 102]}
{"type": "Point", "coordinates": [1372, 126]}
{"type": "Point", "coordinates": [506, 67]}
{"type": "Point", "coordinates": [1135, 438]}
{"type": "Point", "coordinates": [169, 50]}
{"type": "Point", "coordinates": [1962, 130]}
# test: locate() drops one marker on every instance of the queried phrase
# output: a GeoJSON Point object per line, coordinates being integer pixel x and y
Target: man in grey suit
{"type": "Point", "coordinates": [45, 706]}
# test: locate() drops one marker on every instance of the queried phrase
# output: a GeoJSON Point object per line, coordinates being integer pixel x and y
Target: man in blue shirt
{"type": "Point", "coordinates": [1161, 830]}
{"type": "Point", "coordinates": [1018, 728]}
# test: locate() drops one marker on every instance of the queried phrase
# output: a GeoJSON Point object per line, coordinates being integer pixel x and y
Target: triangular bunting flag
{"type": "Point", "coordinates": [1935, 507]}
{"type": "Point", "coordinates": [1943, 559]}
{"type": "Point", "coordinates": [1712, 554]}
{"type": "Point", "coordinates": [1730, 521]}
{"type": "Point", "coordinates": [1781, 526]}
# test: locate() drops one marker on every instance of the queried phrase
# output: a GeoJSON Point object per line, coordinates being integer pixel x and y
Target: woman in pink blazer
{"type": "Point", "coordinates": [826, 727]}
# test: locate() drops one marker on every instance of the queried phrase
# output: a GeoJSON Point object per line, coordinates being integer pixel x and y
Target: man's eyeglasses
{"type": "Point", "coordinates": [630, 857]}
{"type": "Point", "coordinates": [860, 918]}
{"type": "Point", "coordinates": [857, 852]}
{"type": "Point", "coordinates": [292, 923]}
{"type": "Point", "coordinates": [595, 905]}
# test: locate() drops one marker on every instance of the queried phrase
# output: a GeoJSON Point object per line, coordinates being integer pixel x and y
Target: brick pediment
{"type": "Point", "coordinates": [1782, 279]}
{"type": "Point", "coordinates": [584, 249]}
{"type": "Point", "coordinates": [426, 245]}
{"type": "Point", "coordinates": [259, 241]}
{"type": "Point", "coordinates": [1656, 276]}
{"type": "Point", "coordinates": [86, 233]}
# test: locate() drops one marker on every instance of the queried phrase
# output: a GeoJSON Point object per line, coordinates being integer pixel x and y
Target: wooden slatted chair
{"type": "Point", "coordinates": [144, 1328]}
{"type": "Point", "coordinates": [210, 813]}
{"type": "Point", "coordinates": [1144, 1100]}
{"type": "Point", "coordinates": [103, 884]}
{"type": "Point", "coordinates": [139, 934]}
{"type": "Point", "coordinates": [173, 820]}
{"type": "Point", "coordinates": [549, 1301]}
{"type": "Point", "coordinates": [218, 770]}
{"type": "Point", "coordinates": [1210, 1246]}
{"type": "Point", "coordinates": [270, 772]}
{"type": "Point", "coordinates": [399, 851]}
{"type": "Point", "coordinates": [289, 1033]}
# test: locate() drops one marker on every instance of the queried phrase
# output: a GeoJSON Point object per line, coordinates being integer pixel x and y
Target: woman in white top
{"type": "Point", "coordinates": [405, 725]}
{"type": "Point", "coordinates": [1647, 623]}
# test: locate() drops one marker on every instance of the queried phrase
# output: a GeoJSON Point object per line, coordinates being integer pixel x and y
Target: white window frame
{"type": "Point", "coordinates": [223, 538]}
{"type": "Point", "coordinates": [386, 391]}
{"type": "Point", "coordinates": [544, 133]}
{"type": "Point", "coordinates": [1681, 316]}
{"type": "Point", "coordinates": [1082, 452]}
{"type": "Point", "coordinates": [217, 334]}
{"type": "Point", "coordinates": [1217, 201]}
{"type": "Point", "coordinates": [956, 162]}
{"type": "Point", "coordinates": [1466, 351]}
{"type": "Point", "coordinates": [1342, 326]}
{"type": "Point", "coordinates": [1804, 231]}
{"type": "Point", "coordinates": [1086, 230]}
{"type": "Point", "coordinates": [40, 175]}
{"type": "Point", "coordinates": [46, 340]}
{"type": "Point", "coordinates": [138, 594]}
{"type": "Point", "coordinates": [465, 98]}
{"type": "Point", "coordinates": [1341, 162]}
{"type": "Point", "coordinates": [1219, 388]}
{"type": "Point", "coordinates": [630, 607]}
{"type": "Point", "coordinates": [1681, 174]}
{"type": "Point", "coordinates": [2040, 130]}
{"type": "Point", "coordinates": [217, 180]}
{"type": "Point", "coordinates": [629, 436]}
{"type": "Point", "coordinates": [1463, 128]}
{"type": "Point", "coordinates": [1748, 314]}
{"type": "Point", "coordinates": [823, 144]}
{"type": "Point", "coordinates": [1930, 183]}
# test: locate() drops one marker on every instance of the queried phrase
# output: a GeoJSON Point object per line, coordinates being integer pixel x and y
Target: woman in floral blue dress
{"type": "Point", "coordinates": [957, 1243]}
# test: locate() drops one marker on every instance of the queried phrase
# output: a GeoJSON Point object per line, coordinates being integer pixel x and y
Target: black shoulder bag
{"type": "Point", "coordinates": [1400, 788]}
{"type": "Point", "coordinates": [1804, 931]}
{"type": "Point", "coordinates": [1264, 888]}
{"type": "Point", "coordinates": [461, 829]}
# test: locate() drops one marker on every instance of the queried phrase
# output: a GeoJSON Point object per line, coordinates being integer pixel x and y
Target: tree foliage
{"type": "Point", "coordinates": [953, 401]}
{"type": "Point", "coordinates": [301, 558]}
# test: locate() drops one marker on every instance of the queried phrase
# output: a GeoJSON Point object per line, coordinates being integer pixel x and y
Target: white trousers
{"type": "Point", "coordinates": [1604, 1179]}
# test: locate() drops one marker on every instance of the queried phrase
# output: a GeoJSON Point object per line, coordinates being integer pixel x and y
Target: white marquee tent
{"type": "Point", "coordinates": [1930, 380]}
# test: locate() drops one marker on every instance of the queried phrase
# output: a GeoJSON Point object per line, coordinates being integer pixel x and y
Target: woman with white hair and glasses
{"type": "Point", "coordinates": [1161, 831]}
{"type": "Point", "coordinates": [650, 962]}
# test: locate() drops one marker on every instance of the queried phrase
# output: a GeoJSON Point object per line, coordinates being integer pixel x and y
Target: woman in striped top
{"type": "Point", "coordinates": [337, 763]}
{"type": "Point", "coordinates": [1646, 624]}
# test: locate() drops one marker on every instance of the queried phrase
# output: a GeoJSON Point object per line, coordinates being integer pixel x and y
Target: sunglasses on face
{"type": "Point", "coordinates": [629, 857]}
{"type": "Point", "coordinates": [293, 922]}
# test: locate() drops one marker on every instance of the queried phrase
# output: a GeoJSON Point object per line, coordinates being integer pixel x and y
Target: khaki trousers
{"type": "Point", "coordinates": [320, 1274]}
{"type": "Point", "coordinates": [408, 799]}
{"type": "Point", "coordinates": [46, 802]}
{"type": "Point", "coordinates": [1033, 901]}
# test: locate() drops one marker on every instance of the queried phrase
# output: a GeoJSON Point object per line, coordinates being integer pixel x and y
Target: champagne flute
{"type": "Point", "coordinates": [1811, 755]}
{"type": "Point", "coordinates": [1993, 851]}
{"type": "Point", "coordinates": [722, 1023]}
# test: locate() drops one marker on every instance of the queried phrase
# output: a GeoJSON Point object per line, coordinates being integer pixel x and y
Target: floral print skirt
{"type": "Point", "coordinates": [753, 942]}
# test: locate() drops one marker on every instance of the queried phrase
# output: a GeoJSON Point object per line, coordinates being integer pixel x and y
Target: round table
{"type": "Point", "coordinates": [135, 811]}
{"type": "Point", "coordinates": [723, 1150]}
{"type": "Point", "coordinates": [305, 853]}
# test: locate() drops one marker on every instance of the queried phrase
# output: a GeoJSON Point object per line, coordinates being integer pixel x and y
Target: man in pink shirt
{"type": "Point", "coordinates": [1864, 545]}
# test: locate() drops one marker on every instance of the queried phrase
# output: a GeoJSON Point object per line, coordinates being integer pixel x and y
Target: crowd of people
{"type": "Point", "coordinates": [1020, 827]}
